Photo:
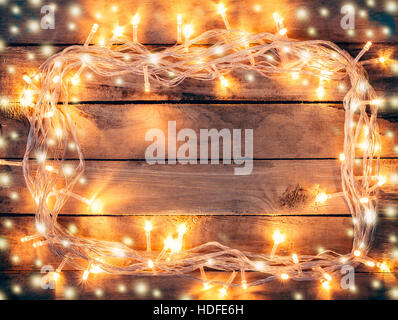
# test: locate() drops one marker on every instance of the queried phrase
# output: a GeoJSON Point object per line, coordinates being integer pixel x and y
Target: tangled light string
{"type": "Point", "coordinates": [270, 55]}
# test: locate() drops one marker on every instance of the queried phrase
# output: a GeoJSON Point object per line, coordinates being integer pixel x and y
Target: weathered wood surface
{"type": "Point", "coordinates": [273, 187]}
{"type": "Point", "coordinates": [158, 20]}
{"type": "Point", "coordinates": [280, 130]}
{"type": "Point", "coordinates": [116, 115]}
{"type": "Point", "coordinates": [304, 235]}
{"type": "Point", "coordinates": [15, 59]}
{"type": "Point", "coordinates": [26, 285]}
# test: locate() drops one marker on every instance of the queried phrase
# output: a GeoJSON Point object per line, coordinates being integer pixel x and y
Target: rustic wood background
{"type": "Point", "coordinates": [297, 140]}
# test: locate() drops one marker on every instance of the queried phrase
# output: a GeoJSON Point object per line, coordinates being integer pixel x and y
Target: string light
{"type": "Point", "coordinates": [279, 24]}
{"type": "Point", "coordinates": [278, 238]}
{"type": "Point", "coordinates": [148, 229]}
{"type": "Point", "coordinates": [224, 290]}
{"type": "Point", "coordinates": [222, 11]}
{"type": "Point", "coordinates": [363, 51]}
{"type": "Point", "coordinates": [243, 279]}
{"type": "Point", "coordinates": [224, 82]}
{"type": "Point", "coordinates": [326, 285]}
{"type": "Point", "coordinates": [182, 229]}
{"type": "Point", "coordinates": [321, 90]}
{"type": "Point", "coordinates": [315, 58]}
{"type": "Point", "coordinates": [188, 32]}
{"type": "Point", "coordinates": [179, 28]}
{"type": "Point", "coordinates": [296, 261]}
{"type": "Point", "coordinates": [321, 197]}
{"type": "Point", "coordinates": [86, 274]}
{"type": "Point", "coordinates": [284, 276]}
{"type": "Point", "coordinates": [206, 284]}
{"type": "Point", "coordinates": [118, 31]}
{"type": "Point", "coordinates": [342, 157]}
{"type": "Point", "coordinates": [135, 21]}
{"type": "Point", "coordinates": [146, 80]}
{"type": "Point", "coordinates": [383, 267]}
{"type": "Point", "coordinates": [94, 29]}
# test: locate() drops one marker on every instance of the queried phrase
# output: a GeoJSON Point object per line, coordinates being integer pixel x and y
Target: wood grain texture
{"type": "Point", "coordinates": [158, 20]}
{"type": "Point", "coordinates": [304, 235]}
{"type": "Point", "coordinates": [210, 199]}
{"type": "Point", "coordinates": [274, 187]}
{"type": "Point", "coordinates": [241, 88]}
{"type": "Point", "coordinates": [367, 287]}
{"type": "Point", "coordinates": [280, 130]}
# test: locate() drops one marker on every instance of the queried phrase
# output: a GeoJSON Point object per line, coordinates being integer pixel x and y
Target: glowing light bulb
{"type": "Point", "coordinates": [222, 11]}
{"type": "Point", "coordinates": [179, 28]}
{"type": "Point", "coordinates": [224, 82]}
{"type": "Point", "coordinates": [41, 228]}
{"type": "Point", "coordinates": [357, 253]}
{"type": "Point", "coordinates": [135, 21]}
{"type": "Point", "coordinates": [27, 98]}
{"type": "Point", "coordinates": [150, 264]}
{"type": "Point", "coordinates": [118, 31]}
{"type": "Point", "coordinates": [364, 200]}
{"type": "Point", "coordinates": [75, 80]}
{"type": "Point", "coordinates": [56, 79]}
{"type": "Point", "coordinates": [382, 180]}
{"type": "Point", "coordinates": [326, 285]}
{"type": "Point", "coordinates": [95, 268]}
{"type": "Point", "coordinates": [370, 264]}
{"type": "Point", "coordinates": [364, 50]}
{"type": "Point", "coordinates": [327, 276]}
{"type": "Point", "coordinates": [27, 79]}
{"type": "Point", "coordinates": [148, 229]}
{"type": "Point", "coordinates": [96, 206]}
{"type": "Point", "coordinates": [295, 258]}
{"type": "Point", "coordinates": [284, 276]}
{"type": "Point", "coordinates": [384, 267]}
{"type": "Point", "coordinates": [154, 58]}
{"type": "Point", "coordinates": [279, 24]}
{"type": "Point", "coordinates": [85, 275]}
{"type": "Point", "coordinates": [320, 91]}
{"type": "Point", "coordinates": [187, 31]}
{"type": "Point", "coordinates": [38, 244]}
{"type": "Point", "coordinates": [278, 237]}
{"type": "Point", "coordinates": [56, 275]}
{"type": "Point", "coordinates": [148, 226]}
{"type": "Point", "coordinates": [321, 197]}
{"type": "Point", "coordinates": [182, 228]}
{"type": "Point", "coordinates": [283, 31]}
{"type": "Point", "coordinates": [342, 157]}
{"type": "Point", "coordinates": [171, 244]}
{"type": "Point", "coordinates": [223, 292]}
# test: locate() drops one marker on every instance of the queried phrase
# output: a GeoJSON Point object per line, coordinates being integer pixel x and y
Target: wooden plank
{"type": "Point", "coordinates": [27, 284]}
{"type": "Point", "coordinates": [244, 85]}
{"type": "Point", "coordinates": [135, 187]}
{"type": "Point", "coordinates": [158, 20]}
{"type": "Point", "coordinates": [304, 235]}
{"type": "Point", "coordinates": [279, 130]}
